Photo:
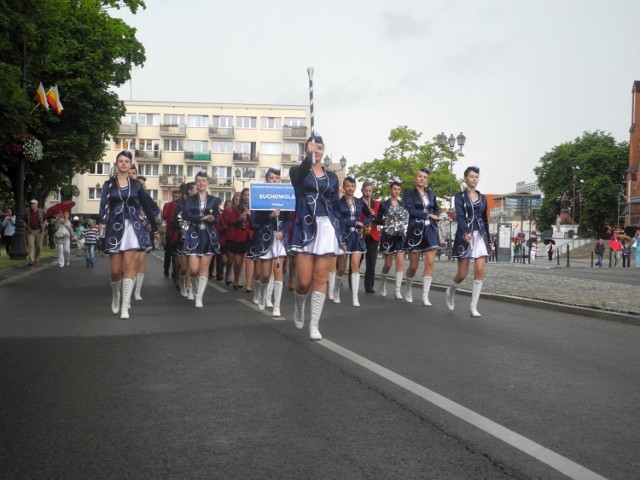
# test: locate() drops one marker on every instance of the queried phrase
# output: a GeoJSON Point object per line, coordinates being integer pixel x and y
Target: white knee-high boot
{"type": "Point", "coordinates": [298, 309]}
{"type": "Point", "coordinates": [127, 289]}
{"type": "Point", "coordinates": [383, 284]}
{"type": "Point", "coordinates": [257, 291]}
{"type": "Point", "coordinates": [261, 293]}
{"type": "Point", "coordinates": [475, 295]}
{"type": "Point", "coordinates": [191, 290]}
{"type": "Point", "coordinates": [115, 296]}
{"type": "Point", "coordinates": [355, 284]}
{"type": "Point", "coordinates": [317, 303]}
{"type": "Point", "coordinates": [139, 280]}
{"type": "Point", "coordinates": [202, 286]}
{"type": "Point", "coordinates": [332, 284]}
{"type": "Point", "coordinates": [183, 284]}
{"type": "Point", "coordinates": [336, 291]}
{"type": "Point", "coordinates": [451, 292]}
{"type": "Point", "coordinates": [408, 294]}
{"type": "Point", "coordinates": [399, 276]}
{"type": "Point", "coordinates": [269, 292]}
{"type": "Point", "coordinates": [277, 296]}
{"type": "Point", "coordinates": [426, 286]}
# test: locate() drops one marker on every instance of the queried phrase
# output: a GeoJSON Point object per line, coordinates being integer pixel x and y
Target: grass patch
{"type": "Point", "coordinates": [6, 262]}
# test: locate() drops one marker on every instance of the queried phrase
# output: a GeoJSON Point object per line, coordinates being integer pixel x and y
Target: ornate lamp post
{"type": "Point", "coordinates": [451, 141]}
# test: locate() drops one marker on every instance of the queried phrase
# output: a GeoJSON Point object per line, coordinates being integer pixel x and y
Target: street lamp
{"type": "Point", "coordinates": [240, 177]}
{"type": "Point", "coordinates": [343, 163]}
{"type": "Point", "coordinates": [327, 161]}
{"type": "Point", "coordinates": [573, 200]}
{"type": "Point", "coordinates": [451, 141]}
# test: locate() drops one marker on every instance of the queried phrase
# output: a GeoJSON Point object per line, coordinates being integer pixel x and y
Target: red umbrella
{"type": "Point", "coordinates": [59, 208]}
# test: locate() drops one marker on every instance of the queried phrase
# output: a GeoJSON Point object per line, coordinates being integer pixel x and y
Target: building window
{"type": "Point", "coordinates": [221, 172]}
{"type": "Point", "coordinates": [245, 122]}
{"type": "Point", "coordinates": [149, 144]}
{"type": "Point", "coordinates": [284, 173]}
{"type": "Point", "coordinates": [128, 119]}
{"type": "Point", "coordinates": [193, 169]}
{"type": "Point", "coordinates": [174, 145]}
{"type": "Point", "coordinates": [294, 122]}
{"type": "Point", "coordinates": [149, 119]}
{"type": "Point", "coordinates": [153, 194]}
{"type": "Point", "coordinates": [147, 170]}
{"type": "Point", "coordinates": [270, 148]}
{"type": "Point", "coordinates": [95, 193]}
{"type": "Point", "coordinates": [243, 147]}
{"type": "Point", "coordinates": [293, 148]}
{"type": "Point", "coordinates": [222, 147]}
{"type": "Point", "coordinates": [247, 172]}
{"type": "Point", "coordinates": [198, 146]}
{"type": "Point", "coordinates": [171, 119]}
{"type": "Point", "coordinates": [221, 121]}
{"type": "Point", "coordinates": [198, 121]}
{"type": "Point", "coordinates": [223, 196]}
{"type": "Point", "coordinates": [270, 123]}
{"type": "Point", "coordinates": [172, 170]}
{"type": "Point", "coordinates": [100, 168]}
{"type": "Point", "coordinates": [125, 144]}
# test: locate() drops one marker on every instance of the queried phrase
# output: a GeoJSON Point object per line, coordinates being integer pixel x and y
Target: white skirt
{"type": "Point", "coordinates": [325, 241]}
{"type": "Point", "coordinates": [277, 250]}
{"type": "Point", "coordinates": [477, 248]}
{"type": "Point", "coordinates": [129, 239]}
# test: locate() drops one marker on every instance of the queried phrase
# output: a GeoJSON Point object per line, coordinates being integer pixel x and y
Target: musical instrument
{"type": "Point", "coordinates": [396, 221]}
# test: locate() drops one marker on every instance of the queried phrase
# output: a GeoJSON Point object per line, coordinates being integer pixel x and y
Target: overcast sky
{"type": "Point", "coordinates": [517, 77]}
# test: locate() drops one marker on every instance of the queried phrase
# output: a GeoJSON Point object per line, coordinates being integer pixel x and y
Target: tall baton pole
{"type": "Point", "coordinates": [313, 130]}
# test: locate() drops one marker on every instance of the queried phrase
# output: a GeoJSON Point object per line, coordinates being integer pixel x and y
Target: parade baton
{"type": "Point", "coordinates": [313, 131]}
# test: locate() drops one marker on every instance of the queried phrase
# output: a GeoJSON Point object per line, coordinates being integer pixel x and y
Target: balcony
{"type": "Point", "coordinates": [173, 130]}
{"type": "Point", "coordinates": [291, 159]}
{"type": "Point", "coordinates": [170, 180]}
{"type": "Point", "coordinates": [294, 133]}
{"type": "Point", "coordinates": [147, 155]}
{"type": "Point", "coordinates": [221, 183]}
{"type": "Point", "coordinates": [197, 157]}
{"type": "Point", "coordinates": [250, 158]}
{"type": "Point", "coordinates": [128, 130]}
{"type": "Point", "coordinates": [221, 132]}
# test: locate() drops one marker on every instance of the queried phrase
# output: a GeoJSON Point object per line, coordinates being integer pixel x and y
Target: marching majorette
{"type": "Point", "coordinates": [422, 233]}
{"type": "Point", "coordinates": [316, 237]}
{"type": "Point", "coordinates": [472, 238]}
{"type": "Point", "coordinates": [122, 204]}
{"type": "Point", "coordinates": [201, 238]}
{"type": "Point", "coordinates": [395, 219]}
{"type": "Point", "coordinates": [269, 248]}
{"type": "Point", "coordinates": [350, 209]}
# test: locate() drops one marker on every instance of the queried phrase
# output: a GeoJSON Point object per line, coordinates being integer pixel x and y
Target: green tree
{"type": "Point", "coordinates": [402, 159]}
{"type": "Point", "coordinates": [595, 166]}
{"type": "Point", "coordinates": [79, 47]}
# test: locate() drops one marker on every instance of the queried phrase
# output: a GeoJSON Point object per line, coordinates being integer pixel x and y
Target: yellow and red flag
{"type": "Point", "coordinates": [53, 97]}
{"type": "Point", "coordinates": [41, 96]}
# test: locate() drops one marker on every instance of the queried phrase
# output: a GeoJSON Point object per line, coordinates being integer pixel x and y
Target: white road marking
{"type": "Point", "coordinates": [537, 451]}
{"type": "Point", "coordinates": [556, 461]}
{"type": "Point", "coordinates": [266, 311]}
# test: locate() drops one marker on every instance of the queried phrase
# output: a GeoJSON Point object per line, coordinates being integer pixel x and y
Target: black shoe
{"type": "Point", "coordinates": [166, 273]}
{"type": "Point", "coordinates": [219, 278]}
{"type": "Point", "coordinates": [370, 291]}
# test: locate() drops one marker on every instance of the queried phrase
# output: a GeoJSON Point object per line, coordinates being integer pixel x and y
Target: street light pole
{"type": "Point", "coordinates": [451, 141]}
{"type": "Point", "coordinates": [239, 177]}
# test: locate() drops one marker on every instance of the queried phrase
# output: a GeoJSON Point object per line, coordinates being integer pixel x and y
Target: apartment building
{"type": "Point", "coordinates": [171, 142]}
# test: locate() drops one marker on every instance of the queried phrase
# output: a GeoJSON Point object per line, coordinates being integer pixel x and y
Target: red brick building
{"type": "Point", "coordinates": [632, 210]}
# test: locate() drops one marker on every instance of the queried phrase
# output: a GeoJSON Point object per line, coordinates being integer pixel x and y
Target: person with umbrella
{"type": "Point", "coordinates": [551, 247]}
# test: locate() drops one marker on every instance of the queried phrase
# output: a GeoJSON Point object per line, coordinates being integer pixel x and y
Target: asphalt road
{"type": "Point", "coordinates": [395, 390]}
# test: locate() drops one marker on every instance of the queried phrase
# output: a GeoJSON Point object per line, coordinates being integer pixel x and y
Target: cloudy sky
{"type": "Point", "coordinates": [516, 77]}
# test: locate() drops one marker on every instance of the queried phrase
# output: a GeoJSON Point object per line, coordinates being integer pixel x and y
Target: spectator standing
{"type": "Point", "coordinates": [91, 235]}
{"type": "Point", "coordinates": [626, 253]}
{"type": "Point", "coordinates": [616, 249]}
{"type": "Point", "coordinates": [34, 226]}
{"type": "Point", "coordinates": [550, 250]}
{"type": "Point", "coordinates": [172, 235]}
{"type": "Point", "coordinates": [63, 234]}
{"type": "Point", "coordinates": [8, 229]}
{"type": "Point", "coordinates": [599, 251]}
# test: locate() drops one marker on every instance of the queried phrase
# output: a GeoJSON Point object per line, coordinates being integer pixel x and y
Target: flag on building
{"type": "Point", "coordinates": [41, 96]}
{"type": "Point", "coordinates": [53, 97]}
